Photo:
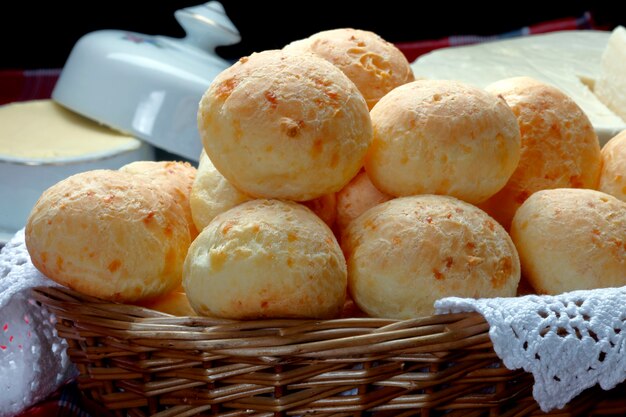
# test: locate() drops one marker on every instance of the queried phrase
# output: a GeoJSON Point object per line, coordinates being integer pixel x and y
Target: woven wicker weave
{"type": "Point", "coordinates": [138, 362]}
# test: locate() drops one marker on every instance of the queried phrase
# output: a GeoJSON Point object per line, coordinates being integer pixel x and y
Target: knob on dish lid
{"type": "Point", "coordinates": [149, 86]}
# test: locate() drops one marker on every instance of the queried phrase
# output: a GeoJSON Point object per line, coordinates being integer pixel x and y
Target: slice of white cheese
{"type": "Point", "coordinates": [611, 86]}
{"type": "Point", "coordinates": [569, 60]}
{"type": "Point", "coordinates": [42, 130]}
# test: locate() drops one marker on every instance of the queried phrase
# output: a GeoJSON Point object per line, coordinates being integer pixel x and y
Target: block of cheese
{"type": "Point", "coordinates": [611, 86]}
{"type": "Point", "coordinates": [569, 60]}
{"type": "Point", "coordinates": [42, 143]}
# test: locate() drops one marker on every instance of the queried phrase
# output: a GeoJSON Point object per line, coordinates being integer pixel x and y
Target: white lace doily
{"type": "Point", "coordinates": [33, 362]}
{"type": "Point", "coordinates": [569, 342]}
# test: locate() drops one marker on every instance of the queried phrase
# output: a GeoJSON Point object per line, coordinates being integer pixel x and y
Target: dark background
{"type": "Point", "coordinates": [42, 35]}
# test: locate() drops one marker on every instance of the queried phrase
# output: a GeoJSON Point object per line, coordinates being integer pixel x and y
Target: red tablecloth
{"type": "Point", "coordinates": [27, 85]}
{"type": "Point", "coordinates": [64, 403]}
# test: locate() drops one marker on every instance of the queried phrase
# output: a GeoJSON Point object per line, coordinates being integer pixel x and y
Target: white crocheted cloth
{"type": "Point", "coordinates": [33, 362]}
{"type": "Point", "coordinates": [569, 342]}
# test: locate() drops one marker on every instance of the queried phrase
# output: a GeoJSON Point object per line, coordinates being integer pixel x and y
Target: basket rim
{"type": "Point", "coordinates": [273, 338]}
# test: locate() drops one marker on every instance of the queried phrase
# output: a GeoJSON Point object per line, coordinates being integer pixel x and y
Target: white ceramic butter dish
{"type": "Point", "coordinates": [149, 86]}
{"type": "Point", "coordinates": [42, 143]}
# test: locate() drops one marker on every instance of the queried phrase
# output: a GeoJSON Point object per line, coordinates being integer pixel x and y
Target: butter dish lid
{"type": "Point", "coordinates": [149, 86]}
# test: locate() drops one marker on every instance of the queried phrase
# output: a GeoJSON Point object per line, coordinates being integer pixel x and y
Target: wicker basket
{"type": "Point", "coordinates": [138, 362]}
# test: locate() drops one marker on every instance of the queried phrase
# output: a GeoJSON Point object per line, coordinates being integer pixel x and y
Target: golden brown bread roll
{"type": "Point", "coordinates": [176, 178]}
{"type": "Point", "coordinates": [174, 303]}
{"type": "Point", "coordinates": [559, 145]}
{"type": "Point", "coordinates": [571, 239]}
{"type": "Point", "coordinates": [355, 199]}
{"type": "Point", "coordinates": [266, 258]}
{"type": "Point", "coordinates": [374, 65]}
{"type": "Point", "coordinates": [406, 253]}
{"type": "Point", "coordinates": [442, 137]}
{"type": "Point", "coordinates": [324, 207]}
{"type": "Point", "coordinates": [212, 194]}
{"type": "Point", "coordinates": [279, 125]}
{"type": "Point", "coordinates": [613, 174]}
{"type": "Point", "coordinates": [109, 234]}
{"type": "Point", "coordinates": [351, 310]}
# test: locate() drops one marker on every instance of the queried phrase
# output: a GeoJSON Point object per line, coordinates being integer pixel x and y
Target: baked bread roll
{"type": "Point", "coordinates": [442, 137]}
{"type": "Point", "coordinates": [176, 178]}
{"type": "Point", "coordinates": [212, 194]}
{"type": "Point", "coordinates": [109, 234]}
{"type": "Point", "coordinates": [324, 207]}
{"type": "Point", "coordinates": [351, 310]}
{"type": "Point", "coordinates": [374, 65]}
{"type": "Point", "coordinates": [288, 126]}
{"type": "Point", "coordinates": [266, 258]}
{"type": "Point", "coordinates": [571, 239]}
{"type": "Point", "coordinates": [355, 199]}
{"type": "Point", "coordinates": [613, 174]}
{"type": "Point", "coordinates": [174, 303]}
{"type": "Point", "coordinates": [559, 146]}
{"type": "Point", "coordinates": [406, 253]}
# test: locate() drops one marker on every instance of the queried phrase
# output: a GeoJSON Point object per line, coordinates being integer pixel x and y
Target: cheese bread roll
{"type": "Point", "coordinates": [406, 253]}
{"type": "Point", "coordinates": [212, 194]}
{"type": "Point", "coordinates": [355, 199]}
{"type": "Point", "coordinates": [559, 146]}
{"type": "Point", "coordinates": [287, 126]}
{"type": "Point", "coordinates": [109, 234]}
{"type": "Point", "coordinates": [571, 239]}
{"type": "Point", "coordinates": [374, 65]}
{"type": "Point", "coordinates": [613, 175]}
{"type": "Point", "coordinates": [176, 178]}
{"type": "Point", "coordinates": [442, 137]}
{"type": "Point", "coordinates": [266, 258]}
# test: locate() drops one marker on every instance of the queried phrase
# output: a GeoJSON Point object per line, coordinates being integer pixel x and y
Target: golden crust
{"type": "Point", "coordinates": [279, 125]}
{"type": "Point", "coordinates": [266, 258]}
{"type": "Point", "coordinates": [571, 239]}
{"type": "Point", "coordinates": [374, 65]}
{"type": "Point", "coordinates": [613, 175]}
{"type": "Point", "coordinates": [442, 137]}
{"type": "Point", "coordinates": [176, 178]}
{"type": "Point", "coordinates": [406, 253]}
{"type": "Point", "coordinates": [355, 199]}
{"type": "Point", "coordinates": [109, 234]}
{"type": "Point", "coordinates": [174, 303]}
{"type": "Point", "coordinates": [212, 194]}
{"type": "Point", "coordinates": [559, 146]}
{"type": "Point", "coordinates": [324, 207]}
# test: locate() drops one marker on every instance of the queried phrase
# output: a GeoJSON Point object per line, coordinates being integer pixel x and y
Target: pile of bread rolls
{"type": "Point", "coordinates": [330, 177]}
